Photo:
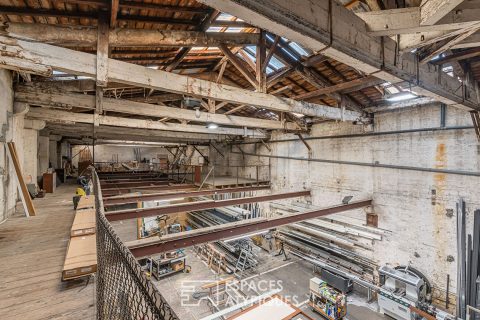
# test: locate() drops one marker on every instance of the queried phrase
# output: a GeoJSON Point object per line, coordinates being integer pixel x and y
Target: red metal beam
{"type": "Point", "coordinates": [150, 246]}
{"type": "Point", "coordinates": [180, 194]}
{"type": "Point", "coordinates": [108, 192]}
{"type": "Point", "coordinates": [199, 205]}
{"type": "Point", "coordinates": [133, 179]}
{"type": "Point", "coordinates": [134, 184]}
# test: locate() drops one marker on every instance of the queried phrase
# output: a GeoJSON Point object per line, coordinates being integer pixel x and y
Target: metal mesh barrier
{"type": "Point", "coordinates": [123, 290]}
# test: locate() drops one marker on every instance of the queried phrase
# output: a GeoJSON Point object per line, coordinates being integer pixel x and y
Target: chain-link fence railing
{"type": "Point", "coordinates": [123, 290]}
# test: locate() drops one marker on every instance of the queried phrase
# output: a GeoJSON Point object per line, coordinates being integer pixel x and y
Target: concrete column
{"type": "Point", "coordinates": [53, 151]}
{"type": "Point", "coordinates": [43, 154]}
{"type": "Point", "coordinates": [7, 183]}
{"type": "Point", "coordinates": [30, 149]}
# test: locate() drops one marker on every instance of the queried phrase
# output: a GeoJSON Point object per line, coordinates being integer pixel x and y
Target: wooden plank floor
{"type": "Point", "coordinates": [32, 252]}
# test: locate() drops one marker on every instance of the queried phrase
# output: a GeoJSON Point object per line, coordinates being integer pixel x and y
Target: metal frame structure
{"type": "Point", "coordinates": [180, 194]}
{"type": "Point", "coordinates": [198, 205]}
{"type": "Point", "coordinates": [151, 246]}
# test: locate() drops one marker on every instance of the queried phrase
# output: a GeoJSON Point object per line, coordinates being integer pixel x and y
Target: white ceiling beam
{"type": "Point", "coordinates": [405, 21]}
{"type": "Point", "coordinates": [433, 11]}
{"type": "Point", "coordinates": [15, 53]}
{"type": "Point", "coordinates": [327, 27]}
{"type": "Point", "coordinates": [69, 100]}
{"type": "Point", "coordinates": [74, 117]}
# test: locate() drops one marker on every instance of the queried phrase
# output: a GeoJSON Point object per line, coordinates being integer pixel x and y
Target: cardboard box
{"type": "Point", "coordinates": [84, 223]}
{"type": "Point", "coordinates": [81, 259]}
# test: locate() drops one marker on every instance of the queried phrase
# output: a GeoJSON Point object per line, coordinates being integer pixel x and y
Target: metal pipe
{"type": "Point", "coordinates": [361, 135]}
{"type": "Point", "coordinates": [470, 309]}
{"type": "Point", "coordinates": [366, 164]}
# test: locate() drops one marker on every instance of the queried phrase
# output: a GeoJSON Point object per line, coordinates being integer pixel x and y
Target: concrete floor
{"type": "Point", "coordinates": [291, 276]}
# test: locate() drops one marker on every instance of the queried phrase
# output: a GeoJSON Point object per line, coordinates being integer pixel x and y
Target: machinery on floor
{"type": "Point", "coordinates": [405, 294]}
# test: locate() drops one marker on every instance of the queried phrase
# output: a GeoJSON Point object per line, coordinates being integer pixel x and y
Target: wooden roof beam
{"type": "Point", "coordinates": [124, 38]}
{"type": "Point", "coordinates": [458, 56]}
{"type": "Point", "coordinates": [80, 63]}
{"type": "Point", "coordinates": [73, 117]}
{"type": "Point", "coordinates": [348, 86]}
{"type": "Point", "coordinates": [67, 100]}
{"type": "Point", "coordinates": [239, 65]}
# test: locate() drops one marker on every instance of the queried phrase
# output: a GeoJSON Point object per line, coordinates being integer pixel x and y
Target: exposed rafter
{"type": "Point", "coordinates": [73, 117]}
{"type": "Point", "coordinates": [74, 100]}
{"type": "Point", "coordinates": [38, 55]}
{"type": "Point", "coordinates": [329, 27]}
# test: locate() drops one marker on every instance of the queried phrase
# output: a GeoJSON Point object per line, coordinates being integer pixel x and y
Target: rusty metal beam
{"type": "Point", "coordinates": [198, 205]}
{"type": "Point", "coordinates": [158, 182]}
{"type": "Point", "coordinates": [179, 194]}
{"type": "Point", "coordinates": [108, 192]}
{"type": "Point", "coordinates": [146, 247]}
{"type": "Point", "coordinates": [132, 179]}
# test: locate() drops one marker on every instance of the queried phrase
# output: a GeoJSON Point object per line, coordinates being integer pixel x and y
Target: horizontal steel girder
{"type": "Point", "coordinates": [180, 194]}
{"type": "Point", "coordinates": [198, 205]}
{"type": "Point", "coordinates": [150, 246]}
{"type": "Point", "coordinates": [108, 192]}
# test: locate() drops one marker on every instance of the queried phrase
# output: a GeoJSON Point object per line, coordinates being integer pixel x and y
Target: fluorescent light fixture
{"type": "Point", "coordinates": [401, 96]}
{"type": "Point", "coordinates": [212, 126]}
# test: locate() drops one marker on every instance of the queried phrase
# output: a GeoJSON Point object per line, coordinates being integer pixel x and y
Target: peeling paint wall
{"type": "Point", "coordinates": [7, 187]}
{"type": "Point", "coordinates": [418, 209]}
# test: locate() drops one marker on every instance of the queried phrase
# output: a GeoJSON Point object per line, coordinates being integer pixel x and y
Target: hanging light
{"type": "Point", "coordinates": [212, 126]}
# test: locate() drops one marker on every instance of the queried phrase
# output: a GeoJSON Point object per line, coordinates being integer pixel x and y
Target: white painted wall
{"type": "Point", "coordinates": [8, 193]}
{"type": "Point", "coordinates": [420, 232]}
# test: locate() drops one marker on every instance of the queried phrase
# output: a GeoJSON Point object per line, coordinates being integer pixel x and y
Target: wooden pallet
{"type": "Point", "coordinates": [84, 223]}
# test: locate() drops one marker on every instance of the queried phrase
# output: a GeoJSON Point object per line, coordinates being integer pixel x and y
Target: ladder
{"type": "Point", "coordinates": [245, 260]}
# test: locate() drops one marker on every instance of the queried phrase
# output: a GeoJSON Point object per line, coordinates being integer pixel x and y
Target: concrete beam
{"type": "Point", "coordinates": [72, 36]}
{"type": "Point", "coordinates": [347, 40]}
{"type": "Point", "coordinates": [16, 53]}
{"type": "Point", "coordinates": [34, 124]}
{"type": "Point", "coordinates": [404, 21]}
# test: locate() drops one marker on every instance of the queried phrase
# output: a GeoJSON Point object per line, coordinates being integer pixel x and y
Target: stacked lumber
{"type": "Point", "coordinates": [81, 258]}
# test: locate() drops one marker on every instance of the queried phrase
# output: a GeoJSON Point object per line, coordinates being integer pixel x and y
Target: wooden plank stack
{"type": "Point", "coordinates": [81, 258]}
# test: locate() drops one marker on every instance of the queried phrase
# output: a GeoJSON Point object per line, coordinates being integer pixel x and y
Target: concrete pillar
{"type": "Point", "coordinates": [43, 154]}
{"type": "Point", "coordinates": [7, 184]}
{"type": "Point", "coordinates": [30, 149]}
{"type": "Point", "coordinates": [53, 151]}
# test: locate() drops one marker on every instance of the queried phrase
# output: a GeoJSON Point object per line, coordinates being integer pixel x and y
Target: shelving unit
{"type": "Point", "coordinates": [326, 300]}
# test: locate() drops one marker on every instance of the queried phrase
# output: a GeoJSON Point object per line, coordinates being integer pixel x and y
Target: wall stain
{"type": "Point", "coordinates": [438, 210]}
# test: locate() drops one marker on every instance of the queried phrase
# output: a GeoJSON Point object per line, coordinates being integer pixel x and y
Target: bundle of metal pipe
{"type": "Point", "coordinates": [230, 249]}
{"type": "Point", "coordinates": [327, 252]}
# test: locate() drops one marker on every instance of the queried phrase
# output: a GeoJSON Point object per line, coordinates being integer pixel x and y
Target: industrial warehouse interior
{"type": "Point", "coordinates": [240, 159]}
